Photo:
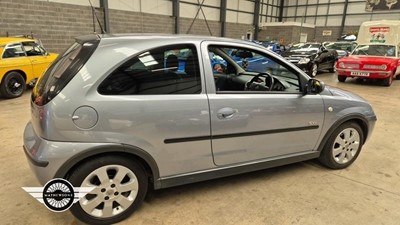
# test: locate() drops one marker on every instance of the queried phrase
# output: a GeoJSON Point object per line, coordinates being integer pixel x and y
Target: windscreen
{"type": "Point", "coordinates": [375, 50]}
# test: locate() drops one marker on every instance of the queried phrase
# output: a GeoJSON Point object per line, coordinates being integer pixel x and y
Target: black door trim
{"type": "Point", "coordinates": [243, 134]}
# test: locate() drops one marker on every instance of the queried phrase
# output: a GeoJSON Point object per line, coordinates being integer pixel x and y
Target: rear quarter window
{"type": "Point", "coordinates": [62, 70]}
{"type": "Point", "coordinates": [170, 69]}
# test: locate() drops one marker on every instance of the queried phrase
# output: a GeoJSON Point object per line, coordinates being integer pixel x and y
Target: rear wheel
{"type": "Point", "coordinates": [341, 78]}
{"type": "Point", "coordinates": [120, 185]}
{"type": "Point", "coordinates": [13, 85]}
{"type": "Point", "coordinates": [343, 146]}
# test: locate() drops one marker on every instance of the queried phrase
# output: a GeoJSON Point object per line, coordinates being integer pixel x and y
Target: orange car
{"type": "Point", "coordinates": [22, 62]}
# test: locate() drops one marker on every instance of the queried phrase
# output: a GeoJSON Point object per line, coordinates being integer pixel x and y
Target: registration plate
{"type": "Point", "coordinates": [360, 74]}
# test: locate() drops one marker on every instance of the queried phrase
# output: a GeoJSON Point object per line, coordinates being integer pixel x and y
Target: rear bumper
{"type": "Point", "coordinates": [33, 148]}
{"type": "Point", "coordinates": [48, 159]}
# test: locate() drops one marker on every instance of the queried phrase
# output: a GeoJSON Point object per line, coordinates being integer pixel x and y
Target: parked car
{"type": "Point", "coordinates": [274, 46]}
{"type": "Point", "coordinates": [23, 61]}
{"type": "Point", "coordinates": [312, 57]}
{"type": "Point", "coordinates": [126, 122]}
{"type": "Point", "coordinates": [343, 48]}
{"type": "Point", "coordinates": [377, 56]}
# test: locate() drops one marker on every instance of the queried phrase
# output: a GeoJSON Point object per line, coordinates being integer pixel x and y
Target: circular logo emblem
{"type": "Point", "coordinates": [58, 195]}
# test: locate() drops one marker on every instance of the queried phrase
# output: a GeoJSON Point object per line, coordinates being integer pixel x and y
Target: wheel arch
{"type": "Point", "coordinates": [18, 71]}
{"type": "Point", "coordinates": [359, 119]}
{"type": "Point", "coordinates": [131, 152]}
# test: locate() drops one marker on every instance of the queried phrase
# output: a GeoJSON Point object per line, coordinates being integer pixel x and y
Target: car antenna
{"type": "Point", "coordinates": [97, 18]}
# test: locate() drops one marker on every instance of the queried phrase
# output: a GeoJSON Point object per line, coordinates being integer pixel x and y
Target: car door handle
{"type": "Point", "coordinates": [226, 113]}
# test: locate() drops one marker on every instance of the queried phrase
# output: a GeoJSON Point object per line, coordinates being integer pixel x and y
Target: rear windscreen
{"type": "Point", "coordinates": [62, 70]}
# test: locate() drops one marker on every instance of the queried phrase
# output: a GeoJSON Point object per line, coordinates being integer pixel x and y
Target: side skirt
{"type": "Point", "coordinates": [225, 171]}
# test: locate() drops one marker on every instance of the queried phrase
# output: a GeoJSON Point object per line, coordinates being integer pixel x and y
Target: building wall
{"type": "Point", "coordinates": [199, 27]}
{"type": "Point", "coordinates": [137, 22]}
{"type": "Point", "coordinates": [327, 15]}
{"type": "Point", "coordinates": [238, 30]}
{"type": "Point", "coordinates": [286, 34]}
{"type": "Point", "coordinates": [57, 22]}
{"type": "Point", "coordinates": [335, 32]}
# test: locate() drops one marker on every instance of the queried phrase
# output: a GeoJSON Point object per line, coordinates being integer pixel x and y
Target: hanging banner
{"type": "Point", "coordinates": [373, 5]}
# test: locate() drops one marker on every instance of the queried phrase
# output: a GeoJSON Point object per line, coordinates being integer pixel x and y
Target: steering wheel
{"type": "Point", "coordinates": [255, 85]}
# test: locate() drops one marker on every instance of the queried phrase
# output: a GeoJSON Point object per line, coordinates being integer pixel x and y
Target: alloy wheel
{"type": "Point", "coordinates": [346, 145]}
{"type": "Point", "coordinates": [116, 188]}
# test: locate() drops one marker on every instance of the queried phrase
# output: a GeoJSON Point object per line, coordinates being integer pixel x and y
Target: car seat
{"type": "Point", "coordinates": [172, 63]}
{"type": "Point", "coordinates": [190, 66]}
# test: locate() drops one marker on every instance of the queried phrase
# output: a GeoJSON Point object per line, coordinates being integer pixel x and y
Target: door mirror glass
{"type": "Point", "coordinates": [314, 86]}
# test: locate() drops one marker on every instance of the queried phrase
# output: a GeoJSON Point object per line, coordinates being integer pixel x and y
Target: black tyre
{"type": "Point", "coordinates": [388, 81]}
{"type": "Point", "coordinates": [341, 78]}
{"type": "Point", "coordinates": [13, 85]}
{"type": "Point", "coordinates": [343, 146]}
{"type": "Point", "coordinates": [120, 187]}
{"type": "Point", "coordinates": [333, 68]}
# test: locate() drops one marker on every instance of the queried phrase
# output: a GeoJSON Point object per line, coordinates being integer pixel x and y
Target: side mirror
{"type": "Point", "coordinates": [314, 86]}
{"type": "Point", "coordinates": [324, 50]}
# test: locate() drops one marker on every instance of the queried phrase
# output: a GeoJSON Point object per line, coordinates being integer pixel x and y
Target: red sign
{"type": "Point", "coordinates": [379, 29]}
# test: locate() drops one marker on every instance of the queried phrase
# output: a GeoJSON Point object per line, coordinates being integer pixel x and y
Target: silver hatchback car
{"type": "Point", "coordinates": [126, 113]}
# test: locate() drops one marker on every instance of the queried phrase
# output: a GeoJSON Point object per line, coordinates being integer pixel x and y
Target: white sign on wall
{"type": "Point", "coordinates": [327, 33]}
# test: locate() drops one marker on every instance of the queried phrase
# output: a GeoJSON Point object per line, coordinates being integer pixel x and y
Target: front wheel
{"type": "Point", "coordinates": [388, 81]}
{"type": "Point", "coordinates": [343, 146]}
{"type": "Point", "coordinates": [13, 85]}
{"type": "Point", "coordinates": [313, 70]}
{"type": "Point", "coordinates": [341, 78]}
{"type": "Point", "coordinates": [120, 185]}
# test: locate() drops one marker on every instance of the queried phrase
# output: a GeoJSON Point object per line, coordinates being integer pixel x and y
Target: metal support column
{"type": "Point", "coordinates": [256, 18]}
{"type": "Point", "coordinates": [222, 17]}
{"type": "Point", "coordinates": [175, 14]}
{"type": "Point", "coordinates": [281, 11]}
{"type": "Point", "coordinates": [106, 19]}
{"type": "Point", "coordinates": [346, 3]}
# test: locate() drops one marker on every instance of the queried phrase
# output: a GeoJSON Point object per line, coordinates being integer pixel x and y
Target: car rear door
{"type": "Point", "coordinates": [252, 125]}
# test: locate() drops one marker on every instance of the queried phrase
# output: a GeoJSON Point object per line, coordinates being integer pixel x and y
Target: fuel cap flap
{"type": "Point", "coordinates": [85, 117]}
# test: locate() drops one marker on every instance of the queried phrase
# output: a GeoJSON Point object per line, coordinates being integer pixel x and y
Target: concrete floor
{"type": "Point", "coordinates": [368, 192]}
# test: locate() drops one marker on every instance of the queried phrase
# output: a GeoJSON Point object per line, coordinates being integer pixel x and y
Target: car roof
{"type": "Point", "coordinates": [6, 40]}
{"type": "Point", "coordinates": [159, 37]}
{"type": "Point", "coordinates": [344, 42]}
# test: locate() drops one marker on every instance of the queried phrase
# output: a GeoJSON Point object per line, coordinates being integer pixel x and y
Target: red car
{"type": "Point", "coordinates": [377, 53]}
{"type": "Point", "coordinates": [371, 62]}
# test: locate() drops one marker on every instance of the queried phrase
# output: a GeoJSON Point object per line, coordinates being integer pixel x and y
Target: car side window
{"type": "Point", "coordinates": [33, 49]}
{"type": "Point", "coordinates": [13, 50]}
{"type": "Point", "coordinates": [166, 70]}
{"type": "Point", "coordinates": [247, 70]}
